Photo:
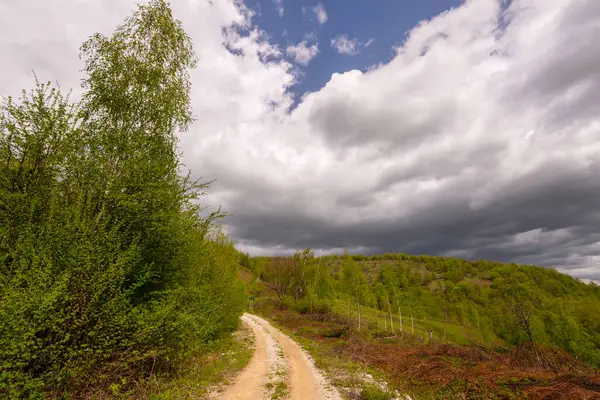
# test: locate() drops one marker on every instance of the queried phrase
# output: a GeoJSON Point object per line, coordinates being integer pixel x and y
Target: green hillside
{"type": "Point", "coordinates": [480, 302]}
{"type": "Point", "coordinates": [434, 327]}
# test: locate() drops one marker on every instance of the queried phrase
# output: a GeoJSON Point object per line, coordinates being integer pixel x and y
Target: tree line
{"type": "Point", "coordinates": [108, 263]}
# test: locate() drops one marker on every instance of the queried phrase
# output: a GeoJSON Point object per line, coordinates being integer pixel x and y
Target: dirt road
{"type": "Point", "coordinates": [250, 382]}
{"type": "Point", "coordinates": [279, 368]}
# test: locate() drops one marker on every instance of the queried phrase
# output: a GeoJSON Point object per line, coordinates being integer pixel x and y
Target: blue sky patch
{"type": "Point", "coordinates": [373, 28]}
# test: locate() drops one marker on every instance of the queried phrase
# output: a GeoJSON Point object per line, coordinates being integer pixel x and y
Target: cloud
{"type": "Point", "coordinates": [310, 36]}
{"type": "Point", "coordinates": [279, 7]}
{"type": "Point", "coordinates": [479, 139]}
{"type": "Point", "coordinates": [344, 45]}
{"type": "Point", "coordinates": [369, 42]}
{"type": "Point", "coordinates": [320, 13]}
{"type": "Point", "coordinates": [302, 53]}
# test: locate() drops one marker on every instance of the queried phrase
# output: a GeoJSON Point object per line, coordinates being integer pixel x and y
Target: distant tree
{"type": "Point", "coordinates": [521, 309]}
{"type": "Point", "coordinates": [355, 284]}
{"type": "Point", "coordinates": [279, 275]}
{"type": "Point", "coordinates": [319, 284]}
{"type": "Point", "coordinates": [245, 260]}
{"type": "Point", "coordinates": [445, 289]}
{"type": "Point", "coordinates": [399, 309]}
{"type": "Point", "coordinates": [303, 265]}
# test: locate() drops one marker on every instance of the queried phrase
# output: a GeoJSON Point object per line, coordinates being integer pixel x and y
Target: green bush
{"type": "Point", "coordinates": [105, 261]}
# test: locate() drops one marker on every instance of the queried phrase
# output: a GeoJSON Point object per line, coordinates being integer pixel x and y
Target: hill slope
{"type": "Point", "coordinates": [434, 327]}
{"type": "Point", "coordinates": [481, 302]}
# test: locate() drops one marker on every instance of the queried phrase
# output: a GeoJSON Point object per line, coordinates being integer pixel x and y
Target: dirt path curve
{"type": "Point", "coordinates": [305, 381]}
{"type": "Point", "coordinates": [249, 385]}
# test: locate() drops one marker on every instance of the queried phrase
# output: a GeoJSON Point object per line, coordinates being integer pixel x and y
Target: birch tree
{"type": "Point", "coordinates": [355, 285]}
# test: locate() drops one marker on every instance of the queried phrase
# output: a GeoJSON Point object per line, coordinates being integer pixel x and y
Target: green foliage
{"type": "Point", "coordinates": [480, 301]}
{"type": "Point", "coordinates": [104, 258]}
{"type": "Point", "coordinates": [354, 283]}
{"type": "Point", "coordinates": [195, 378]}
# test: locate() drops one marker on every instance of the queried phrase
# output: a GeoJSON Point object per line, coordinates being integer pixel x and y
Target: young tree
{"type": "Point", "coordinates": [521, 310]}
{"type": "Point", "coordinates": [399, 309]}
{"type": "Point", "coordinates": [389, 306]}
{"type": "Point", "coordinates": [412, 321]}
{"type": "Point", "coordinates": [446, 289]}
{"type": "Point", "coordinates": [320, 282]}
{"type": "Point", "coordinates": [303, 264]}
{"type": "Point", "coordinates": [279, 274]}
{"type": "Point", "coordinates": [355, 284]}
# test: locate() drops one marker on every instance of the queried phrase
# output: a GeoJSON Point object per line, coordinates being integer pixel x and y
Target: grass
{"type": "Point", "coordinates": [280, 391]}
{"type": "Point", "coordinates": [277, 387]}
{"type": "Point", "coordinates": [374, 320]}
{"type": "Point", "coordinates": [359, 365]}
{"type": "Point", "coordinates": [205, 372]}
{"type": "Point", "coordinates": [376, 393]}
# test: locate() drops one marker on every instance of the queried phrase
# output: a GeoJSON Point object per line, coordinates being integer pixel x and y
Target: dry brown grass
{"type": "Point", "coordinates": [449, 371]}
{"type": "Point", "coordinates": [445, 367]}
{"type": "Point", "coordinates": [567, 387]}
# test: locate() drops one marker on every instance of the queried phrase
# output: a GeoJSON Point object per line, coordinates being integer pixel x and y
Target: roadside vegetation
{"type": "Point", "coordinates": [205, 374]}
{"type": "Point", "coordinates": [435, 327]}
{"type": "Point", "coordinates": [111, 273]}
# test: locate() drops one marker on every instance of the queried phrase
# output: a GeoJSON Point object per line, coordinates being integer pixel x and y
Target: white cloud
{"type": "Point", "coordinates": [476, 139]}
{"type": "Point", "coordinates": [310, 36]}
{"type": "Point", "coordinates": [302, 53]}
{"type": "Point", "coordinates": [279, 7]}
{"type": "Point", "coordinates": [320, 13]}
{"type": "Point", "coordinates": [344, 45]}
{"type": "Point", "coordinates": [369, 42]}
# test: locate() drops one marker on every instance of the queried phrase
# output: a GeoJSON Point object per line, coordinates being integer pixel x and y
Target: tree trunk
{"type": "Point", "coordinates": [391, 316]}
{"type": "Point", "coordinates": [399, 311]}
{"type": "Point", "coordinates": [401, 324]}
{"type": "Point", "coordinates": [314, 290]}
{"type": "Point", "coordinates": [358, 309]}
{"type": "Point", "coordinates": [445, 323]}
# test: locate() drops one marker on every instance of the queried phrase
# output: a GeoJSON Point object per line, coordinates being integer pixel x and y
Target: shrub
{"type": "Point", "coordinates": [104, 257]}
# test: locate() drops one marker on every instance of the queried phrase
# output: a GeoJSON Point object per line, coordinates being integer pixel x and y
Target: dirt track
{"type": "Point", "coordinates": [250, 382]}
{"type": "Point", "coordinates": [305, 382]}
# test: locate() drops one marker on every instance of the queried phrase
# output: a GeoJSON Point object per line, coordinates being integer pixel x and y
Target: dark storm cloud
{"type": "Point", "coordinates": [544, 220]}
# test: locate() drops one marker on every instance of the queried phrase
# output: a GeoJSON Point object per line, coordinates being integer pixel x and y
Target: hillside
{"type": "Point", "coordinates": [533, 319]}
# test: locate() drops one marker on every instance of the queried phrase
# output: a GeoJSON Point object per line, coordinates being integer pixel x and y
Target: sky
{"type": "Point", "coordinates": [455, 128]}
